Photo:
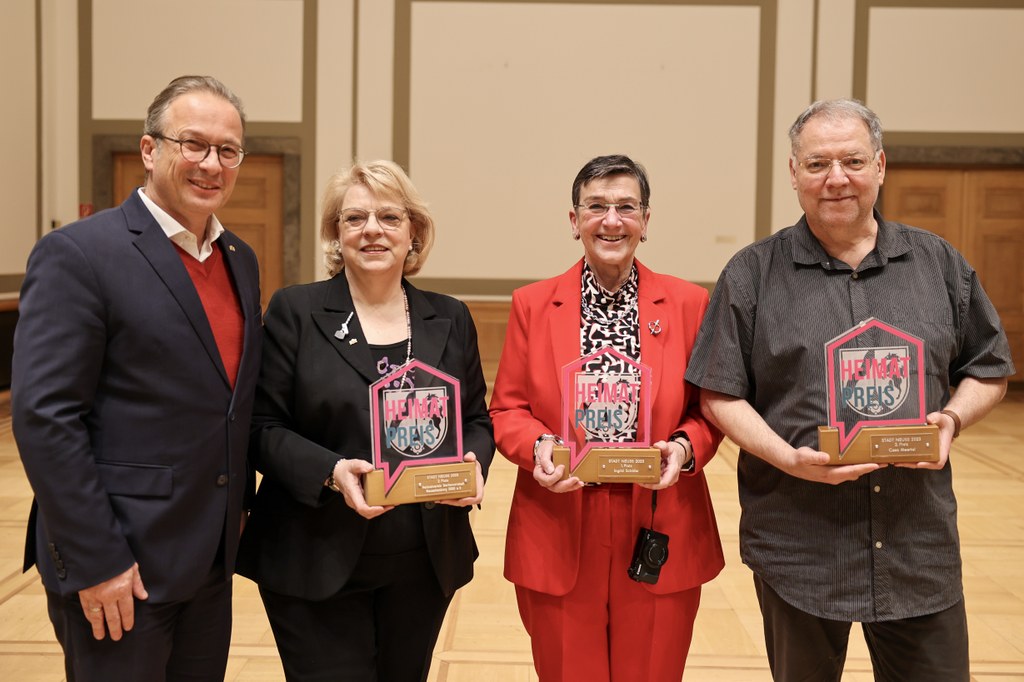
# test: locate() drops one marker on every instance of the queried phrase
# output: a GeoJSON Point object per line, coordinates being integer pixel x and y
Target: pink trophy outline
{"type": "Point", "coordinates": [833, 418]}
{"type": "Point", "coordinates": [390, 478]}
{"type": "Point", "coordinates": [569, 407]}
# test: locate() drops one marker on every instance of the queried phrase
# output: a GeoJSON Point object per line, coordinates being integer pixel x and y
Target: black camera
{"type": "Point", "coordinates": [649, 555]}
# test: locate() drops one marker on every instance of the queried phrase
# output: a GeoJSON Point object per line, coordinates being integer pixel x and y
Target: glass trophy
{"type": "Point", "coordinates": [606, 420]}
{"type": "Point", "coordinates": [416, 435]}
{"type": "Point", "coordinates": [876, 398]}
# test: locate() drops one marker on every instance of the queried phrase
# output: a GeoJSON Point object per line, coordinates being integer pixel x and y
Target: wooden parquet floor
{"type": "Point", "coordinates": [482, 638]}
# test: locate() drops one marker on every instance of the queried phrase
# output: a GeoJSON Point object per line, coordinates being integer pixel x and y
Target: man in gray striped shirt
{"type": "Point", "coordinates": [868, 543]}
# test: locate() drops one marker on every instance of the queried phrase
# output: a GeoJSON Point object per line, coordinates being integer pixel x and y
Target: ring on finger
{"type": "Point", "coordinates": [95, 609]}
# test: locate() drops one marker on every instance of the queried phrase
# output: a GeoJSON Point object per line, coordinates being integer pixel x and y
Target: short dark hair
{"type": "Point", "coordinates": [836, 110]}
{"type": "Point", "coordinates": [183, 85]}
{"type": "Point", "coordinates": [614, 164]}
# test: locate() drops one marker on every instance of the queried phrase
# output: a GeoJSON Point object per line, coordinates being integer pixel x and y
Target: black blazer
{"type": "Point", "coordinates": [313, 406]}
{"type": "Point", "coordinates": [132, 437]}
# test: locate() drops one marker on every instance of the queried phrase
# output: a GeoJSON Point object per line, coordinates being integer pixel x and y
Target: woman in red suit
{"type": "Point", "coordinates": [569, 544]}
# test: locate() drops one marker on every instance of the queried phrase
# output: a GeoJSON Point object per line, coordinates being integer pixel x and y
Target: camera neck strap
{"type": "Point", "coordinates": [654, 506]}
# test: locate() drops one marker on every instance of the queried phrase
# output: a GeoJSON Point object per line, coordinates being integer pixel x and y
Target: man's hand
{"type": "Point", "coordinates": [812, 465]}
{"type": "Point", "coordinates": [110, 606]}
{"type": "Point", "coordinates": [946, 428]}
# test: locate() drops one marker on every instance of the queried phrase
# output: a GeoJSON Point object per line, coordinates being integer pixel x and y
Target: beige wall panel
{"type": "Point", "coordinates": [940, 70]}
{"type": "Point", "coordinates": [509, 100]}
{"type": "Point", "coordinates": [793, 89]}
{"type": "Point", "coordinates": [254, 46]}
{"type": "Point", "coordinates": [18, 187]}
{"type": "Point", "coordinates": [333, 103]}
{"type": "Point", "coordinates": [376, 79]}
{"type": "Point", "coordinates": [60, 112]}
{"type": "Point", "coordinates": [835, 50]}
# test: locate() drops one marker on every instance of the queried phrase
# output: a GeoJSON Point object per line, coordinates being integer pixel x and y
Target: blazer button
{"type": "Point", "coordinates": [62, 574]}
{"type": "Point", "coordinates": [59, 564]}
{"type": "Point", "coordinates": [429, 505]}
{"type": "Point", "coordinates": [222, 480]}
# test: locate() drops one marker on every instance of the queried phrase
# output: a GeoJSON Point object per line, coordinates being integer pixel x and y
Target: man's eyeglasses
{"type": "Point", "coordinates": [388, 217]}
{"type": "Point", "coordinates": [596, 210]}
{"type": "Point", "coordinates": [851, 165]}
{"type": "Point", "coordinates": [196, 151]}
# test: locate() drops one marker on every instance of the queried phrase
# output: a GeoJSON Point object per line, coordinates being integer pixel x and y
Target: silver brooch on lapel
{"type": "Point", "coordinates": [343, 332]}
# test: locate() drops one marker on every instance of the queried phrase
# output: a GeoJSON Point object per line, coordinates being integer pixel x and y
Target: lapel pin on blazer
{"type": "Point", "coordinates": [654, 327]}
{"type": "Point", "coordinates": [231, 247]}
{"type": "Point", "coordinates": [343, 332]}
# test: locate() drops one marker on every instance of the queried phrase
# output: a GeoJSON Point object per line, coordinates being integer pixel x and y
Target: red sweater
{"type": "Point", "coordinates": [220, 301]}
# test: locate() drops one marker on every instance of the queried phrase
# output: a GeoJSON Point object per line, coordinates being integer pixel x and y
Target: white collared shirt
{"type": "Point", "coordinates": [178, 234]}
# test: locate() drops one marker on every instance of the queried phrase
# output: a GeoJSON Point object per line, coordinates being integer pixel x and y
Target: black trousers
{"type": "Point", "coordinates": [382, 626]}
{"type": "Point", "coordinates": [170, 642]}
{"type": "Point", "coordinates": [802, 647]}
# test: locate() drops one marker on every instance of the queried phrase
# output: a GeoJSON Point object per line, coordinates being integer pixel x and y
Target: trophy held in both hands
{"type": "Point", "coordinates": [876, 398]}
{"type": "Point", "coordinates": [416, 423]}
{"type": "Point", "coordinates": [606, 421]}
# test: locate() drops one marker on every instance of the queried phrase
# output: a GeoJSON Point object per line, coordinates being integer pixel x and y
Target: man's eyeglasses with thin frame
{"type": "Point", "coordinates": [196, 151]}
{"type": "Point", "coordinates": [388, 217]}
{"type": "Point", "coordinates": [627, 210]}
{"type": "Point", "coordinates": [851, 165]}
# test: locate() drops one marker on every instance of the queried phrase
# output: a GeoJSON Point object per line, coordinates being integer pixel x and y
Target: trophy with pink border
{"type": "Point", "coordinates": [876, 398]}
{"type": "Point", "coordinates": [606, 420]}
{"type": "Point", "coordinates": [416, 433]}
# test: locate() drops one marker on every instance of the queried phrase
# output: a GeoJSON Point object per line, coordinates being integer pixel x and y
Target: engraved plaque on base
{"type": "Point", "coordinates": [876, 398]}
{"type": "Point", "coordinates": [613, 465]}
{"type": "Point", "coordinates": [606, 420]}
{"type": "Point", "coordinates": [416, 432]}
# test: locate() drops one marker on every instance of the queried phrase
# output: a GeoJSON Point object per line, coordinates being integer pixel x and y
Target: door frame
{"type": "Point", "coordinates": [105, 146]}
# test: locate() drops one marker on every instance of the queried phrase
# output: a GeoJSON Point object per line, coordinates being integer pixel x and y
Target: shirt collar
{"type": "Point", "coordinates": [597, 295]}
{"type": "Point", "coordinates": [889, 243]}
{"type": "Point", "coordinates": [178, 234]}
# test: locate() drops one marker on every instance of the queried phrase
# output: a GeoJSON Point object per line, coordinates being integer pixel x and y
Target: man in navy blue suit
{"type": "Point", "coordinates": [135, 361]}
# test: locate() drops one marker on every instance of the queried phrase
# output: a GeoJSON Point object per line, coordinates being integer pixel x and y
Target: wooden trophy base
{"type": "Point", "coordinates": [427, 483]}
{"type": "Point", "coordinates": [882, 444]}
{"type": "Point", "coordinates": [613, 465]}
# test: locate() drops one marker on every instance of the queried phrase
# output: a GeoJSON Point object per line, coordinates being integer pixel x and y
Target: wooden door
{"type": "Point", "coordinates": [928, 198]}
{"type": "Point", "coordinates": [254, 212]}
{"type": "Point", "coordinates": [981, 213]}
{"type": "Point", "coordinates": [994, 209]}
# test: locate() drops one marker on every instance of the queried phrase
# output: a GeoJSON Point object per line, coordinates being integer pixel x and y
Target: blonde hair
{"type": "Point", "coordinates": [381, 178]}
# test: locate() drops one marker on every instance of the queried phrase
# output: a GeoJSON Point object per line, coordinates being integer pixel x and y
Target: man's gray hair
{"type": "Point", "coordinates": [836, 110]}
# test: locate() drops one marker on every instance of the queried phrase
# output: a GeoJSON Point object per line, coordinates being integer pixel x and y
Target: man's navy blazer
{"type": "Point", "coordinates": [131, 434]}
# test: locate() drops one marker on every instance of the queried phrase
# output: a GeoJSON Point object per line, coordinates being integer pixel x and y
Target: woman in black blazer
{"type": "Point", "coordinates": [355, 592]}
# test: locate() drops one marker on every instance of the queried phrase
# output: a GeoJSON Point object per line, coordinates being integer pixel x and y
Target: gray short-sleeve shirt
{"type": "Point", "coordinates": [885, 546]}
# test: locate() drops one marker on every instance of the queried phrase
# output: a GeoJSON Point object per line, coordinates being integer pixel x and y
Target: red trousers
{"type": "Point", "coordinates": [609, 628]}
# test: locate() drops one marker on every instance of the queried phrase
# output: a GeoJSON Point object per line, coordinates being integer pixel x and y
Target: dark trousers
{"type": "Point", "coordinates": [170, 642]}
{"type": "Point", "coordinates": [802, 647]}
{"type": "Point", "coordinates": [381, 626]}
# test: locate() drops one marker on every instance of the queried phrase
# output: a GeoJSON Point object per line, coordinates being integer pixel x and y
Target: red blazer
{"type": "Point", "coordinates": [542, 550]}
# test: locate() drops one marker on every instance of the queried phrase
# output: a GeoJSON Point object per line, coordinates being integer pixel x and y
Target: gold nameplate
{"type": "Point", "coordinates": [613, 465]}
{"type": "Point", "coordinates": [422, 484]}
{"type": "Point", "coordinates": [882, 444]}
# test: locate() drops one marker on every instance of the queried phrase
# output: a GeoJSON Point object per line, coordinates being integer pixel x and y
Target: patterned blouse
{"type": "Point", "coordinates": [611, 319]}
